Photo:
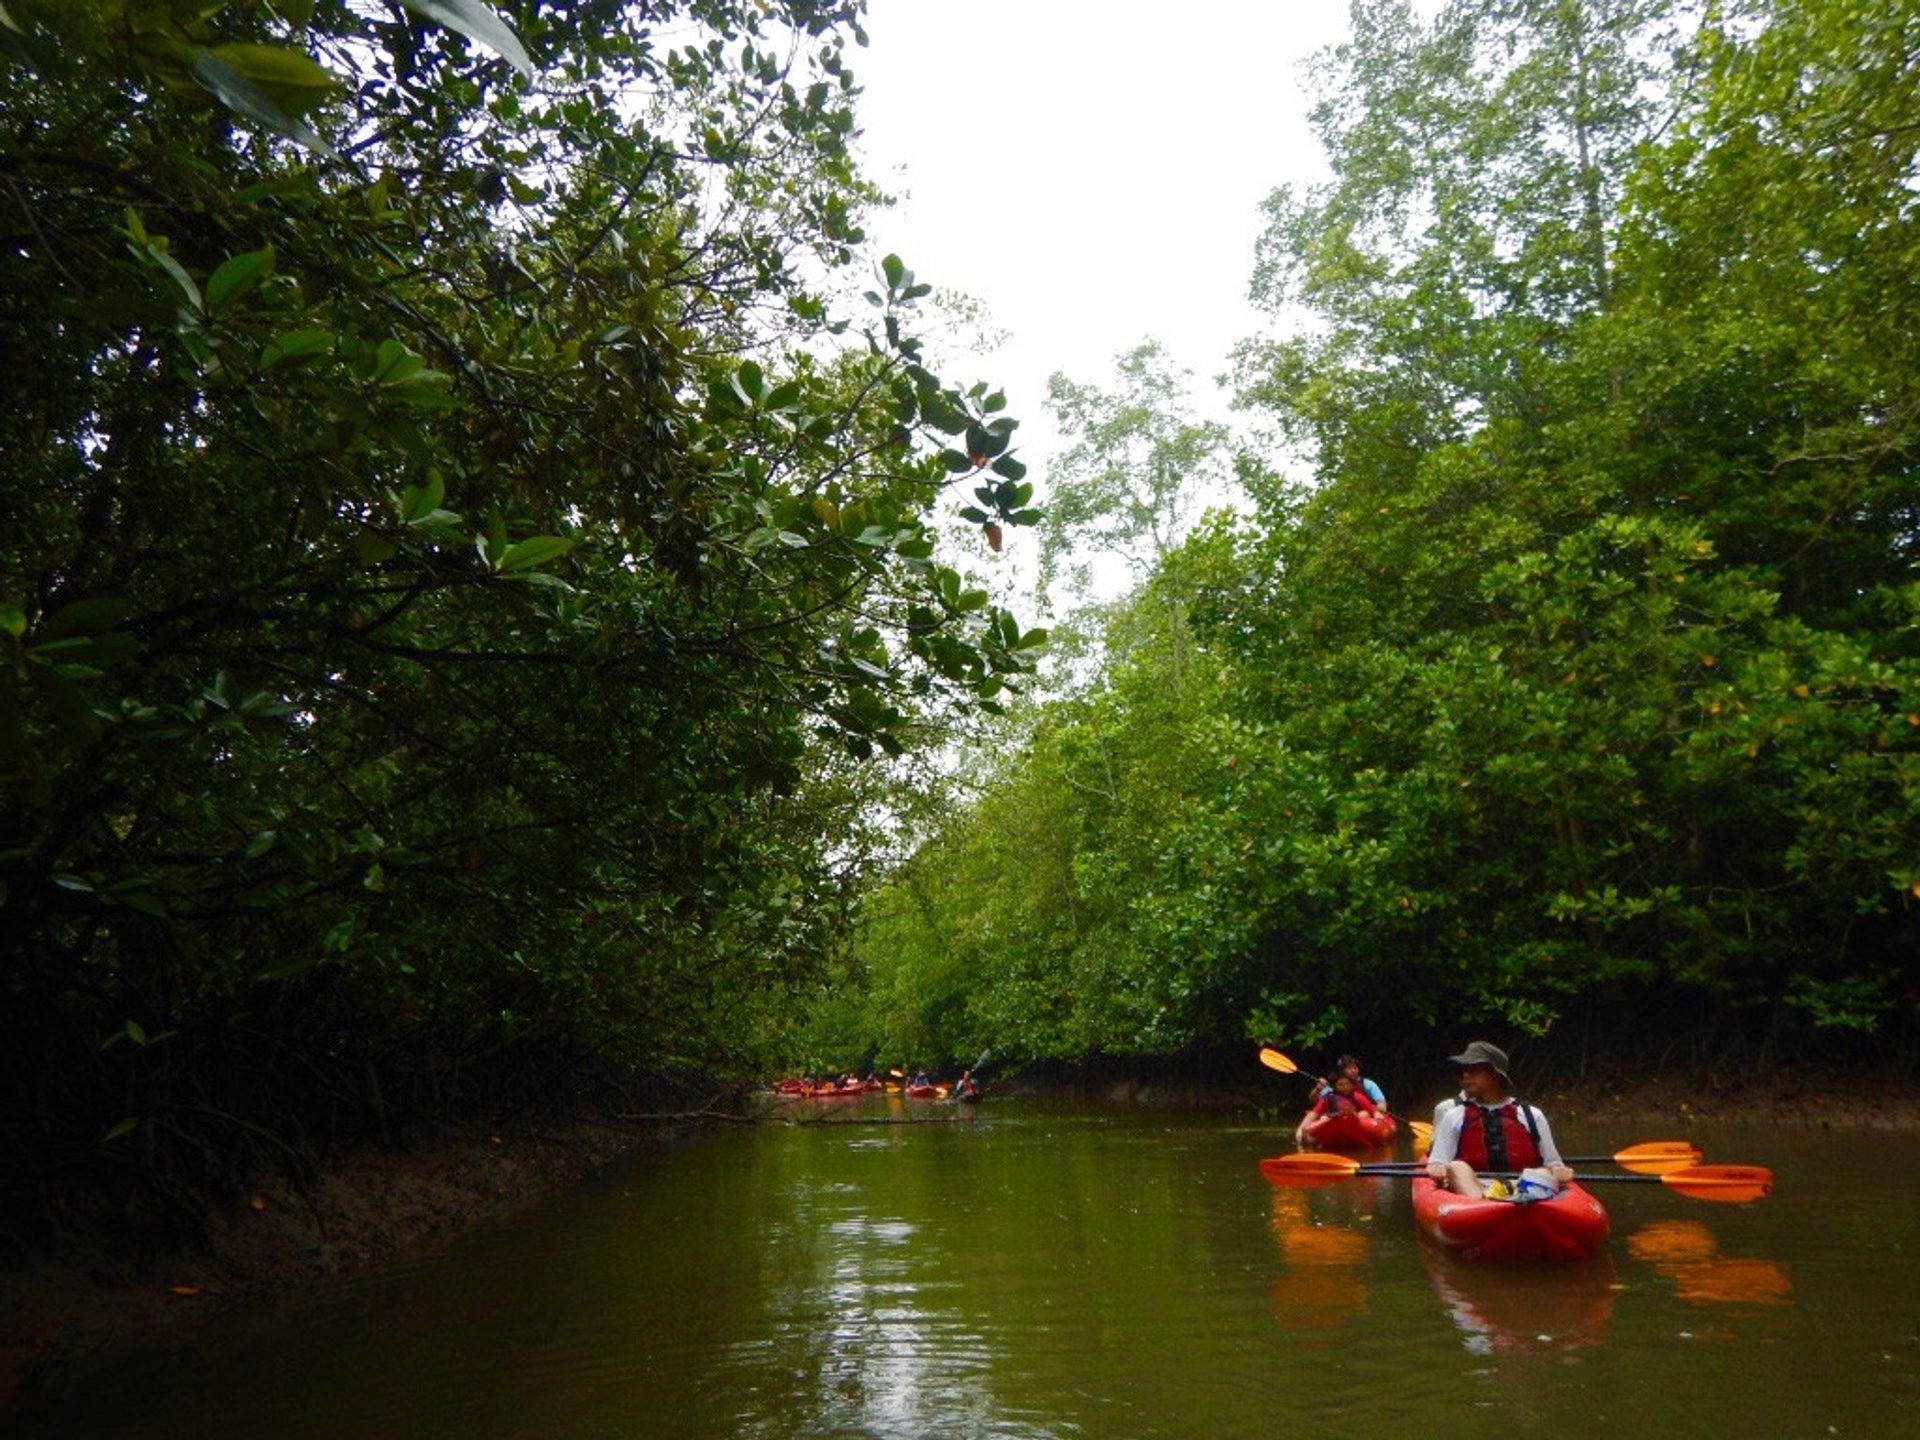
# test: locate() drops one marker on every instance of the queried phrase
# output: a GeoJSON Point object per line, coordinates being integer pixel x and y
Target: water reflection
{"type": "Point", "coordinates": [1687, 1252]}
{"type": "Point", "coordinates": [1324, 1283]}
{"type": "Point", "coordinates": [1524, 1309]}
{"type": "Point", "coordinates": [889, 1356]}
{"type": "Point", "coordinates": [1079, 1272]}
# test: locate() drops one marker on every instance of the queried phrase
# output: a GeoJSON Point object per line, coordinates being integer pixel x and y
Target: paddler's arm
{"type": "Point", "coordinates": [1550, 1152]}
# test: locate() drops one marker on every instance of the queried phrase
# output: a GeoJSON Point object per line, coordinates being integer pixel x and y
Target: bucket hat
{"type": "Point", "coordinates": [1481, 1053]}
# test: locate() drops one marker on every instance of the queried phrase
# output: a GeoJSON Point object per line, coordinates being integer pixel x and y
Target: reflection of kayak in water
{"type": "Point", "coordinates": [1525, 1308]}
{"type": "Point", "coordinates": [1324, 1280]}
{"type": "Point", "coordinates": [1347, 1132]}
{"type": "Point", "coordinates": [1565, 1226]}
{"type": "Point", "coordinates": [1686, 1252]}
{"type": "Point", "coordinates": [1318, 1299]}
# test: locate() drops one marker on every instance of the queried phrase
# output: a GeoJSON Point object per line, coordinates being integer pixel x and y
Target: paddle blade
{"type": "Point", "coordinates": [1274, 1060]}
{"type": "Point", "coordinates": [1307, 1168]}
{"type": "Point", "coordinates": [1422, 1133]}
{"type": "Point", "coordinates": [1728, 1184]}
{"type": "Point", "coordinates": [1657, 1157]}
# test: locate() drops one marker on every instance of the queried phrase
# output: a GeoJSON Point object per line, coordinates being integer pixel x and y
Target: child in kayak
{"type": "Point", "coordinates": [1349, 1066]}
{"type": "Point", "coordinates": [1342, 1099]}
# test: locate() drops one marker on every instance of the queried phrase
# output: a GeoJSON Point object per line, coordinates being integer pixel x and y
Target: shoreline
{"type": "Point", "coordinates": [61, 1319]}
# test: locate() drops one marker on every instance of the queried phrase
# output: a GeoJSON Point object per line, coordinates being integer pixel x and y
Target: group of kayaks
{"type": "Point", "coordinates": [1531, 1219]}
{"type": "Point", "coordinates": [1564, 1225]}
{"type": "Point", "coordinates": [851, 1089]}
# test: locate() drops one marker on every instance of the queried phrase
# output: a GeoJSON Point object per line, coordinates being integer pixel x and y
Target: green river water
{"type": "Point", "coordinates": [1052, 1269]}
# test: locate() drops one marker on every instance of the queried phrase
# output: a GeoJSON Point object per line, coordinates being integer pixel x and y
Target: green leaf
{"type": "Point", "coordinates": [177, 273]}
{"type": "Point", "coordinates": [83, 617]}
{"type": "Point", "coordinates": [245, 97]}
{"type": "Point", "coordinates": [124, 1127]}
{"type": "Point", "coordinates": [291, 79]}
{"type": "Point", "coordinates": [289, 969]}
{"type": "Point", "coordinates": [395, 364]}
{"type": "Point", "coordinates": [237, 275]}
{"type": "Point", "coordinates": [537, 550]}
{"type": "Point", "coordinates": [373, 549]}
{"type": "Point", "coordinates": [478, 22]}
{"type": "Point", "coordinates": [420, 502]}
{"type": "Point", "coordinates": [749, 382]}
{"type": "Point", "coordinates": [296, 345]}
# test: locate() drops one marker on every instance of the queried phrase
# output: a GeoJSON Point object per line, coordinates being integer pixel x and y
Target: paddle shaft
{"type": "Point", "coordinates": [1676, 1181]}
{"type": "Point", "coordinates": [1417, 1167]}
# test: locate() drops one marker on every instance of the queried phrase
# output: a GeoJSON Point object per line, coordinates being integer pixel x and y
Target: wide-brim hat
{"type": "Point", "coordinates": [1481, 1053]}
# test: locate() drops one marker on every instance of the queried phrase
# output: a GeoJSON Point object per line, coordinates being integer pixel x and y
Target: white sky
{"type": "Point", "coordinates": [1089, 170]}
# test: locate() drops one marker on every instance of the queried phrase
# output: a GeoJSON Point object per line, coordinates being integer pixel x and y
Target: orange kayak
{"type": "Point", "coordinates": [1565, 1226]}
{"type": "Point", "coordinates": [1348, 1132]}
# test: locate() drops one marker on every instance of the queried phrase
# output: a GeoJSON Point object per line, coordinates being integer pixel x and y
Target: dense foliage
{"type": "Point", "coordinates": [462, 539]}
{"type": "Point", "coordinates": [1582, 676]}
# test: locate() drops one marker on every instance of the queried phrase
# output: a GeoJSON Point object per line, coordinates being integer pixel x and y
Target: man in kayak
{"type": "Point", "coordinates": [1489, 1130]}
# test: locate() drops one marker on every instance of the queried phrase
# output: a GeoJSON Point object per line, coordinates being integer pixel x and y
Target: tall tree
{"type": "Point", "coordinates": [1514, 648]}
{"type": "Point", "coordinates": [453, 554]}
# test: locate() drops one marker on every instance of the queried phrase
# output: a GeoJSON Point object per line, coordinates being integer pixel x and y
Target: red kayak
{"type": "Point", "coordinates": [1348, 1132]}
{"type": "Point", "coordinates": [1564, 1226]}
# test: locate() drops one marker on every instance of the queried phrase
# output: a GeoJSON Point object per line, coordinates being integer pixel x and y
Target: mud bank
{"type": "Point", "coordinates": [277, 1242]}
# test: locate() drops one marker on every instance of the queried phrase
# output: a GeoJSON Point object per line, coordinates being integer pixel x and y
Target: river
{"type": "Point", "coordinates": [1039, 1268]}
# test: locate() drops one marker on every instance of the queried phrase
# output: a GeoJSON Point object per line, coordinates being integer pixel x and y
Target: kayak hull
{"type": "Point", "coordinates": [1568, 1226]}
{"type": "Point", "coordinates": [1348, 1132]}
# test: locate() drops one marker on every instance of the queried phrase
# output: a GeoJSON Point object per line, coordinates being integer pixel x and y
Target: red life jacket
{"type": "Point", "coordinates": [1511, 1142]}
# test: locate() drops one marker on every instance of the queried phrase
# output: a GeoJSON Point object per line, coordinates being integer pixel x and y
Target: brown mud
{"type": "Point", "coordinates": [372, 1207]}
{"type": "Point", "coordinates": [375, 1206]}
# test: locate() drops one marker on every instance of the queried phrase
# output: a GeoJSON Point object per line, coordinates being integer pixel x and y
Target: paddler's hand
{"type": "Point", "coordinates": [1561, 1173]}
{"type": "Point", "coordinates": [1436, 1171]}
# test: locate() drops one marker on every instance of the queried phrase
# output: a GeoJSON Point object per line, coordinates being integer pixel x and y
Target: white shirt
{"type": "Point", "coordinates": [1445, 1145]}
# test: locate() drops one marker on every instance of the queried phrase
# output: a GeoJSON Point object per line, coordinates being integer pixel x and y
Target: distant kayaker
{"type": "Point", "coordinates": [1488, 1129]}
{"type": "Point", "coordinates": [1342, 1099]}
{"type": "Point", "coordinates": [966, 1087]}
{"type": "Point", "coordinates": [1349, 1066]}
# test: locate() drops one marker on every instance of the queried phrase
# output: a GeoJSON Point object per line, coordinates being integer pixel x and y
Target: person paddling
{"type": "Point", "coordinates": [1489, 1129]}
{"type": "Point", "coordinates": [1342, 1099]}
{"type": "Point", "coordinates": [1349, 1066]}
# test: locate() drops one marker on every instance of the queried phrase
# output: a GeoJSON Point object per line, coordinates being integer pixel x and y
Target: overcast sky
{"type": "Point", "coordinates": [1090, 170]}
